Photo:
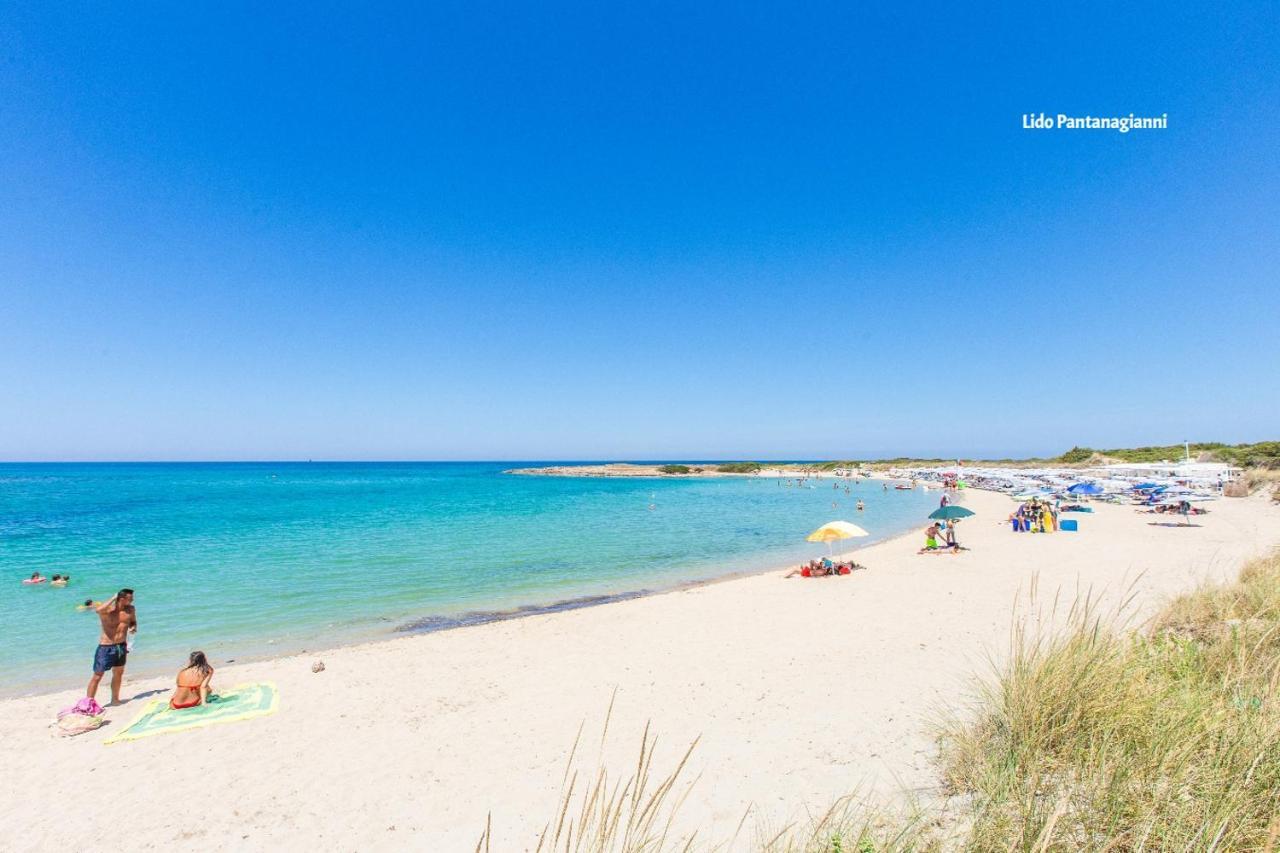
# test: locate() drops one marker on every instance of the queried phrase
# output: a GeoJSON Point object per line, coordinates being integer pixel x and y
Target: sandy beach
{"type": "Point", "coordinates": [800, 691]}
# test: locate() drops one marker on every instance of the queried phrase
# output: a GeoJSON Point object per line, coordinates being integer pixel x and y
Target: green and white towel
{"type": "Point", "coordinates": [242, 702]}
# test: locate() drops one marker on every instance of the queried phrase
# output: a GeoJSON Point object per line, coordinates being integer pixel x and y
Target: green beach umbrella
{"type": "Point", "coordinates": [950, 511]}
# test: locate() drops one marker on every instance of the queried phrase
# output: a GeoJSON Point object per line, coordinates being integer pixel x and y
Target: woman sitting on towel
{"type": "Point", "coordinates": [193, 683]}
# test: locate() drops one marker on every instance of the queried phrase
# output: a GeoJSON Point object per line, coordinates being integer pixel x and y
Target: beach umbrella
{"type": "Point", "coordinates": [834, 531]}
{"type": "Point", "coordinates": [1146, 485]}
{"type": "Point", "coordinates": [946, 513]}
{"type": "Point", "coordinates": [1085, 489]}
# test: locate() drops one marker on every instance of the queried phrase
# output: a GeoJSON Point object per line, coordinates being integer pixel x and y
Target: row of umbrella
{"type": "Point", "coordinates": [1078, 490]}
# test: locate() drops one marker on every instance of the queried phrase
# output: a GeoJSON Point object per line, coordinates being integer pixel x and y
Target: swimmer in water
{"type": "Point", "coordinates": [59, 580]}
{"type": "Point", "coordinates": [860, 506]}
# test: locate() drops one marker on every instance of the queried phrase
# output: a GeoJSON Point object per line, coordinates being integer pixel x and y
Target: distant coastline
{"type": "Point", "coordinates": [656, 469]}
{"type": "Point", "coordinates": [1263, 455]}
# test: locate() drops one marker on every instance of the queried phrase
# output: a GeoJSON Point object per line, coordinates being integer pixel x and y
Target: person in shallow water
{"type": "Point", "coordinates": [192, 684]}
{"type": "Point", "coordinates": [119, 619]}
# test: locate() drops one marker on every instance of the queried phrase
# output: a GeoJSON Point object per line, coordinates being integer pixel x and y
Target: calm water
{"type": "Point", "coordinates": [247, 559]}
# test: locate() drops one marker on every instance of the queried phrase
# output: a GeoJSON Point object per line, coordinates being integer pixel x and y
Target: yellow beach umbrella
{"type": "Point", "coordinates": [834, 531]}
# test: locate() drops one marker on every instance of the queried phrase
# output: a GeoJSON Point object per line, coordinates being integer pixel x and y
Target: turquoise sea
{"type": "Point", "coordinates": [252, 559]}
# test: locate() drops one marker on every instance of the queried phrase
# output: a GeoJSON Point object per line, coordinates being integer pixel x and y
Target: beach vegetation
{"type": "Point", "coordinates": [835, 464]}
{"type": "Point", "coordinates": [1262, 454]}
{"type": "Point", "coordinates": [1097, 738]}
{"type": "Point", "coordinates": [739, 468]}
{"type": "Point", "coordinates": [1077, 455]}
{"type": "Point", "coordinates": [675, 469]}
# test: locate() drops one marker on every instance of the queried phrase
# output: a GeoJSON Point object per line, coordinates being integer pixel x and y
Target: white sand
{"type": "Point", "coordinates": [801, 691]}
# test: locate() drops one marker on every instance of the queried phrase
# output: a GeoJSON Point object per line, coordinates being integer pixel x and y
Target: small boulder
{"type": "Point", "coordinates": [318, 666]}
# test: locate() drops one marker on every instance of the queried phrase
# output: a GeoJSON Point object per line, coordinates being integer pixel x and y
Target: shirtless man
{"type": "Point", "coordinates": [930, 538]}
{"type": "Point", "coordinates": [118, 620]}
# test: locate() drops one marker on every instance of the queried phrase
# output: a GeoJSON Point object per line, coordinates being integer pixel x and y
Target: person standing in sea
{"type": "Point", "coordinates": [119, 619]}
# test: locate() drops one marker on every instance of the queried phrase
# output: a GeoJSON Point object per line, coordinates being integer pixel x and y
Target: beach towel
{"type": "Point", "coordinates": [242, 702]}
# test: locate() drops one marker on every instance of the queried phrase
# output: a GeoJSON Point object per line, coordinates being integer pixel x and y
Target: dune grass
{"type": "Point", "coordinates": [1090, 737]}
{"type": "Point", "coordinates": [1101, 739]}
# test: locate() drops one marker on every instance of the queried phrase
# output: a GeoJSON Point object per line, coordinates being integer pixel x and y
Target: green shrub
{"type": "Point", "coordinates": [739, 468]}
{"type": "Point", "coordinates": [674, 469]}
{"type": "Point", "coordinates": [1076, 455]}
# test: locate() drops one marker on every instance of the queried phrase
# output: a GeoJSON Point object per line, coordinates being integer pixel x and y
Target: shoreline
{"type": "Point", "coordinates": [797, 691]}
{"type": "Point", "coordinates": [407, 627]}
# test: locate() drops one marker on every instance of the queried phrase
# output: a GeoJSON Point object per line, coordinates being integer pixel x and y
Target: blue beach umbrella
{"type": "Point", "coordinates": [950, 511]}
{"type": "Point", "coordinates": [1085, 489]}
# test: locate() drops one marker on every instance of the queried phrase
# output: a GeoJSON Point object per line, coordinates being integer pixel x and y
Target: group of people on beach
{"type": "Point", "coordinates": [119, 622]}
{"type": "Point", "coordinates": [1035, 516]}
{"type": "Point", "coordinates": [824, 568]}
{"type": "Point", "coordinates": [1182, 508]}
{"type": "Point", "coordinates": [944, 530]}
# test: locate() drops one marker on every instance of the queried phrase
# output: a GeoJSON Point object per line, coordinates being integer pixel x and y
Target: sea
{"type": "Point", "coordinates": [250, 560]}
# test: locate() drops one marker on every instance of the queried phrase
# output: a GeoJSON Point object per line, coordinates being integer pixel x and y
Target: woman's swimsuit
{"type": "Point", "coordinates": [193, 702]}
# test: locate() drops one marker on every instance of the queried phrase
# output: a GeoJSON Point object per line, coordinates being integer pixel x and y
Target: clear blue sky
{"type": "Point", "coordinates": [249, 231]}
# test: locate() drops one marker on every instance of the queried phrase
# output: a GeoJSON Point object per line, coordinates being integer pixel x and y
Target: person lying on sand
{"type": "Point", "coordinates": [822, 569]}
{"type": "Point", "coordinates": [192, 683]}
{"type": "Point", "coordinates": [813, 569]}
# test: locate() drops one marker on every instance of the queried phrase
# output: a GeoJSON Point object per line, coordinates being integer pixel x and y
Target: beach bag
{"type": "Point", "coordinates": [84, 716]}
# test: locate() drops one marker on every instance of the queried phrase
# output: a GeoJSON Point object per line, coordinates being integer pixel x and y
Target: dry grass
{"type": "Point", "coordinates": [1253, 480]}
{"type": "Point", "coordinates": [598, 813]}
{"type": "Point", "coordinates": [1090, 738]}
{"type": "Point", "coordinates": [1105, 740]}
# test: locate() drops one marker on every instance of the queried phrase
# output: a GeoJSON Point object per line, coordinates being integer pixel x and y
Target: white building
{"type": "Point", "coordinates": [1195, 472]}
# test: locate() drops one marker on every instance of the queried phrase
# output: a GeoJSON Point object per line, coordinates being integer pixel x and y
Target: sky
{"type": "Point", "coordinates": [634, 231]}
